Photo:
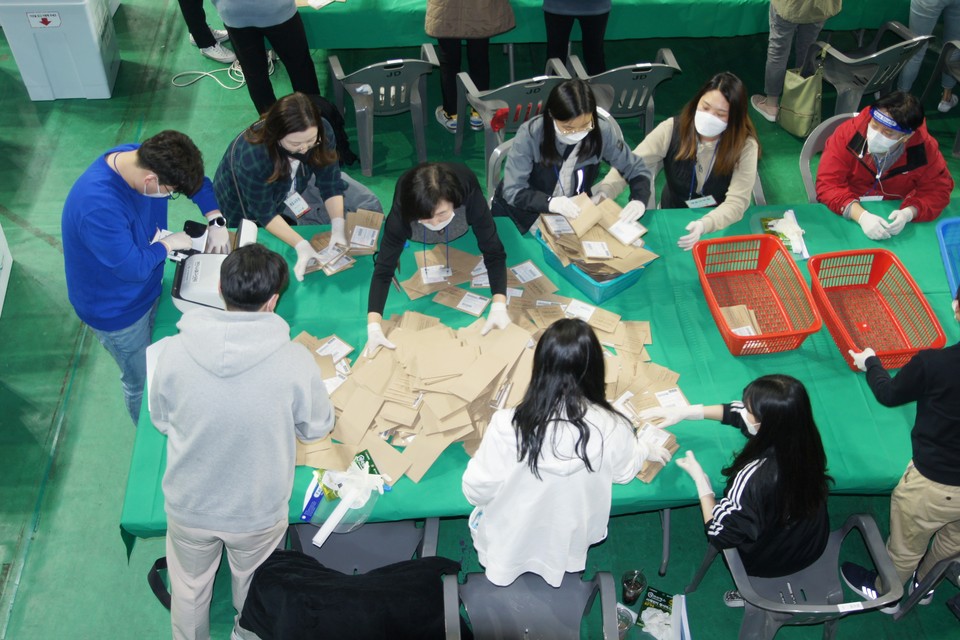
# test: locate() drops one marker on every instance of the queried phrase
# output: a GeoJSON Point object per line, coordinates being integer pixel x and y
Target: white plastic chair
{"type": "Point", "coordinates": [813, 145]}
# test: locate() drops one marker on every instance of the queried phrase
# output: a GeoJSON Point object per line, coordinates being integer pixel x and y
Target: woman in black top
{"type": "Point", "coordinates": [774, 506]}
{"type": "Point", "coordinates": [434, 203]}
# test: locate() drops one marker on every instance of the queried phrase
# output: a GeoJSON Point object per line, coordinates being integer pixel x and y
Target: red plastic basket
{"type": "Point", "coordinates": [868, 299]}
{"type": "Point", "coordinates": [756, 271]}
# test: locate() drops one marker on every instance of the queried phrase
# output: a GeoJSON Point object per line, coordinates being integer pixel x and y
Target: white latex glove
{"type": "Point", "coordinates": [337, 231]}
{"type": "Point", "coordinates": [564, 206]}
{"type": "Point", "coordinates": [178, 241]}
{"type": "Point", "coordinates": [874, 227]}
{"type": "Point", "coordinates": [860, 359]}
{"type": "Point", "coordinates": [497, 318]}
{"type": "Point", "coordinates": [690, 465]}
{"type": "Point", "coordinates": [218, 240]}
{"type": "Point", "coordinates": [306, 255]}
{"type": "Point", "coordinates": [670, 416]}
{"type": "Point", "coordinates": [376, 339]}
{"type": "Point", "coordinates": [633, 211]}
{"type": "Point", "coordinates": [696, 229]}
{"type": "Point", "coordinates": [650, 449]}
{"type": "Point", "coordinates": [898, 220]}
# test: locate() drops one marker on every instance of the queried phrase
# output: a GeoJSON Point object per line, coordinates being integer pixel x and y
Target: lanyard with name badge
{"type": "Point", "coordinates": [702, 201]}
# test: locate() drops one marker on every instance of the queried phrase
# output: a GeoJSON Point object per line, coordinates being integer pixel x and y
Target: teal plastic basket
{"type": "Point", "coordinates": [948, 233]}
{"type": "Point", "coordinates": [597, 291]}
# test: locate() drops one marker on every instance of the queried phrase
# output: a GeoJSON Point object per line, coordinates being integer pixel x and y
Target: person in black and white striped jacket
{"type": "Point", "coordinates": [774, 506]}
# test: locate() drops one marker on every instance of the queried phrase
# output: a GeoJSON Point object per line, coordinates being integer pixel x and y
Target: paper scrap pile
{"type": "Point", "coordinates": [440, 386]}
{"type": "Point", "coordinates": [362, 230]}
{"type": "Point", "coordinates": [741, 319]}
{"type": "Point", "coordinates": [597, 241]}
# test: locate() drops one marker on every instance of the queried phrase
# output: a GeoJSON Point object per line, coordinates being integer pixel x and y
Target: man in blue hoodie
{"type": "Point", "coordinates": [112, 251]}
{"type": "Point", "coordinates": [232, 393]}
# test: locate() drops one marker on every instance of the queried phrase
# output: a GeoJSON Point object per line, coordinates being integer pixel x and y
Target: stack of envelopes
{"type": "Point", "coordinates": [597, 241]}
{"type": "Point", "coordinates": [361, 230]}
{"type": "Point", "coordinates": [440, 386]}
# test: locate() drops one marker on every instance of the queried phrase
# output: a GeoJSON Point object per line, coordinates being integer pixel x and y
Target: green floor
{"type": "Point", "coordinates": [65, 437]}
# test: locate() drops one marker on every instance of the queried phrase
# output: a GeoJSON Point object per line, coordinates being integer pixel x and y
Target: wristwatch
{"type": "Point", "coordinates": [219, 221]}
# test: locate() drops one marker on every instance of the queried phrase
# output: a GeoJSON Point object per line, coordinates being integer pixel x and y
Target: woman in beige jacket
{"type": "Point", "coordinates": [450, 21]}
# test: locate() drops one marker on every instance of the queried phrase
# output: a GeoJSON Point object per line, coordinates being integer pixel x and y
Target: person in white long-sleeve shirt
{"type": "Point", "coordinates": [541, 480]}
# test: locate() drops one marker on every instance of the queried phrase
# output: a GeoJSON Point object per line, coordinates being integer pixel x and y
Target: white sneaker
{"type": "Point", "coordinates": [449, 122]}
{"type": "Point", "coordinates": [946, 105]}
{"type": "Point", "coordinates": [219, 53]}
{"type": "Point", "coordinates": [220, 35]}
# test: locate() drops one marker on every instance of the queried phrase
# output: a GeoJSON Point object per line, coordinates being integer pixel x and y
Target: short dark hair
{"type": "Point", "coordinates": [902, 107]}
{"type": "Point", "coordinates": [250, 275]}
{"type": "Point", "coordinates": [421, 188]}
{"type": "Point", "coordinates": [175, 159]}
{"type": "Point", "coordinates": [570, 99]}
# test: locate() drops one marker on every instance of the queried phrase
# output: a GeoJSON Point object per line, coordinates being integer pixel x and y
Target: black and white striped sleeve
{"type": "Point", "coordinates": [739, 516]}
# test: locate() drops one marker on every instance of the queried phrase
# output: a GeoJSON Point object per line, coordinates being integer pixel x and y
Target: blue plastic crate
{"type": "Point", "coordinates": [597, 291]}
{"type": "Point", "coordinates": [948, 233]}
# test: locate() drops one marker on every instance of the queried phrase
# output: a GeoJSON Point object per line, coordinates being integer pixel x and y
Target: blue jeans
{"type": "Point", "coordinates": [128, 346]}
{"type": "Point", "coordinates": [923, 18]}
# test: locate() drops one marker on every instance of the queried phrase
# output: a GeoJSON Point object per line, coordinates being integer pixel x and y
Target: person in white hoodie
{"type": "Point", "coordinates": [232, 393]}
{"type": "Point", "coordinates": [541, 480]}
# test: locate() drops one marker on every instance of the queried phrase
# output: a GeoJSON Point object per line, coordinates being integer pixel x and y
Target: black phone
{"type": "Point", "coordinates": [194, 229]}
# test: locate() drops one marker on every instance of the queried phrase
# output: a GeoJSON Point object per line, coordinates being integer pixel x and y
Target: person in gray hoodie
{"type": "Point", "coordinates": [232, 393]}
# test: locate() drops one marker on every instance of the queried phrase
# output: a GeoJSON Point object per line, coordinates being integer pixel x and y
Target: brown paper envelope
{"type": "Point", "coordinates": [613, 338]}
{"type": "Point", "coordinates": [481, 374]}
{"type": "Point", "coordinates": [453, 297]}
{"type": "Point", "coordinates": [374, 373]}
{"type": "Point", "coordinates": [341, 397]}
{"type": "Point", "coordinates": [413, 321]}
{"type": "Point", "coordinates": [425, 449]}
{"type": "Point", "coordinates": [522, 371]}
{"type": "Point", "coordinates": [442, 405]}
{"type": "Point", "coordinates": [399, 414]}
{"type": "Point", "coordinates": [337, 458]}
{"type": "Point", "coordinates": [389, 461]}
{"type": "Point", "coordinates": [414, 287]}
{"type": "Point", "coordinates": [357, 416]}
{"type": "Point", "coordinates": [649, 470]}
{"type": "Point", "coordinates": [539, 286]}
{"type": "Point", "coordinates": [543, 317]}
{"type": "Point", "coordinates": [589, 215]}
{"type": "Point", "coordinates": [305, 448]}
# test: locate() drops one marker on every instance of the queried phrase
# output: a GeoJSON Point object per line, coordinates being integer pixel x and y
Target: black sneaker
{"type": "Point", "coordinates": [864, 583]}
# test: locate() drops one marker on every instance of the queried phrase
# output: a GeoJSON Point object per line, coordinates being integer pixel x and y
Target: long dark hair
{"type": "Point", "coordinates": [568, 373]}
{"type": "Point", "coordinates": [568, 100]}
{"type": "Point", "coordinates": [739, 125]}
{"type": "Point", "coordinates": [290, 114]}
{"type": "Point", "coordinates": [782, 407]}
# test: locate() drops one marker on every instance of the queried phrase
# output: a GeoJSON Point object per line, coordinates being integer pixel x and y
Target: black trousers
{"type": "Point", "coordinates": [593, 29]}
{"type": "Point", "coordinates": [478, 60]}
{"type": "Point", "coordinates": [289, 40]}
{"type": "Point", "coordinates": [196, 20]}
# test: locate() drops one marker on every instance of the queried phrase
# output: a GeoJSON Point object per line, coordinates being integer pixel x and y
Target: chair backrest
{"type": "Point", "coordinates": [522, 100]}
{"type": "Point", "coordinates": [813, 145]}
{"type": "Point", "coordinates": [529, 608]}
{"type": "Point", "coordinates": [628, 92]}
{"type": "Point", "coordinates": [874, 70]}
{"type": "Point", "coordinates": [814, 594]}
{"type": "Point", "coordinates": [370, 546]}
{"type": "Point", "coordinates": [390, 85]}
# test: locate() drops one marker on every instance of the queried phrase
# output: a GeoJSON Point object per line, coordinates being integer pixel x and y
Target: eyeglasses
{"type": "Point", "coordinates": [568, 132]}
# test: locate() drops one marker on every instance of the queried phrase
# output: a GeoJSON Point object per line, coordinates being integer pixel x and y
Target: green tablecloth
{"type": "Point", "coordinates": [373, 24]}
{"type": "Point", "coordinates": [867, 445]}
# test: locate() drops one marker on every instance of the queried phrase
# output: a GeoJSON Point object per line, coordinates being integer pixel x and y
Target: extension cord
{"type": "Point", "coordinates": [234, 73]}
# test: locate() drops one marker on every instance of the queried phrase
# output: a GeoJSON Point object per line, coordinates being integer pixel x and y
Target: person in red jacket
{"type": "Point", "coordinates": [884, 153]}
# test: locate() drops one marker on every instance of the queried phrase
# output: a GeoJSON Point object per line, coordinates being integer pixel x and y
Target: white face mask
{"type": "Point", "coordinates": [708, 125]}
{"type": "Point", "coordinates": [879, 143]}
{"type": "Point", "coordinates": [752, 427]}
{"type": "Point", "coordinates": [439, 226]}
{"type": "Point", "coordinates": [569, 138]}
{"type": "Point", "coordinates": [158, 194]}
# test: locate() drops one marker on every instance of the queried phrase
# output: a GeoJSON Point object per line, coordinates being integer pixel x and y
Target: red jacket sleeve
{"type": "Point", "coordinates": [837, 166]}
{"type": "Point", "coordinates": [932, 194]}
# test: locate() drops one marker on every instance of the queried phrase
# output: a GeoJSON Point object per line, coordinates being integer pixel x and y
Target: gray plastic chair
{"type": "Point", "coordinates": [867, 70]}
{"type": "Point", "coordinates": [628, 92]}
{"type": "Point", "coordinates": [523, 98]}
{"type": "Point", "coordinates": [948, 567]}
{"type": "Point", "coordinates": [529, 608]}
{"type": "Point", "coordinates": [386, 89]}
{"type": "Point", "coordinates": [813, 145]}
{"type": "Point", "coordinates": [811, 596]}
{"type": "Point", "coordinates": [370, 546]}
{"type": "Point", "coordinates": [945, 64]}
